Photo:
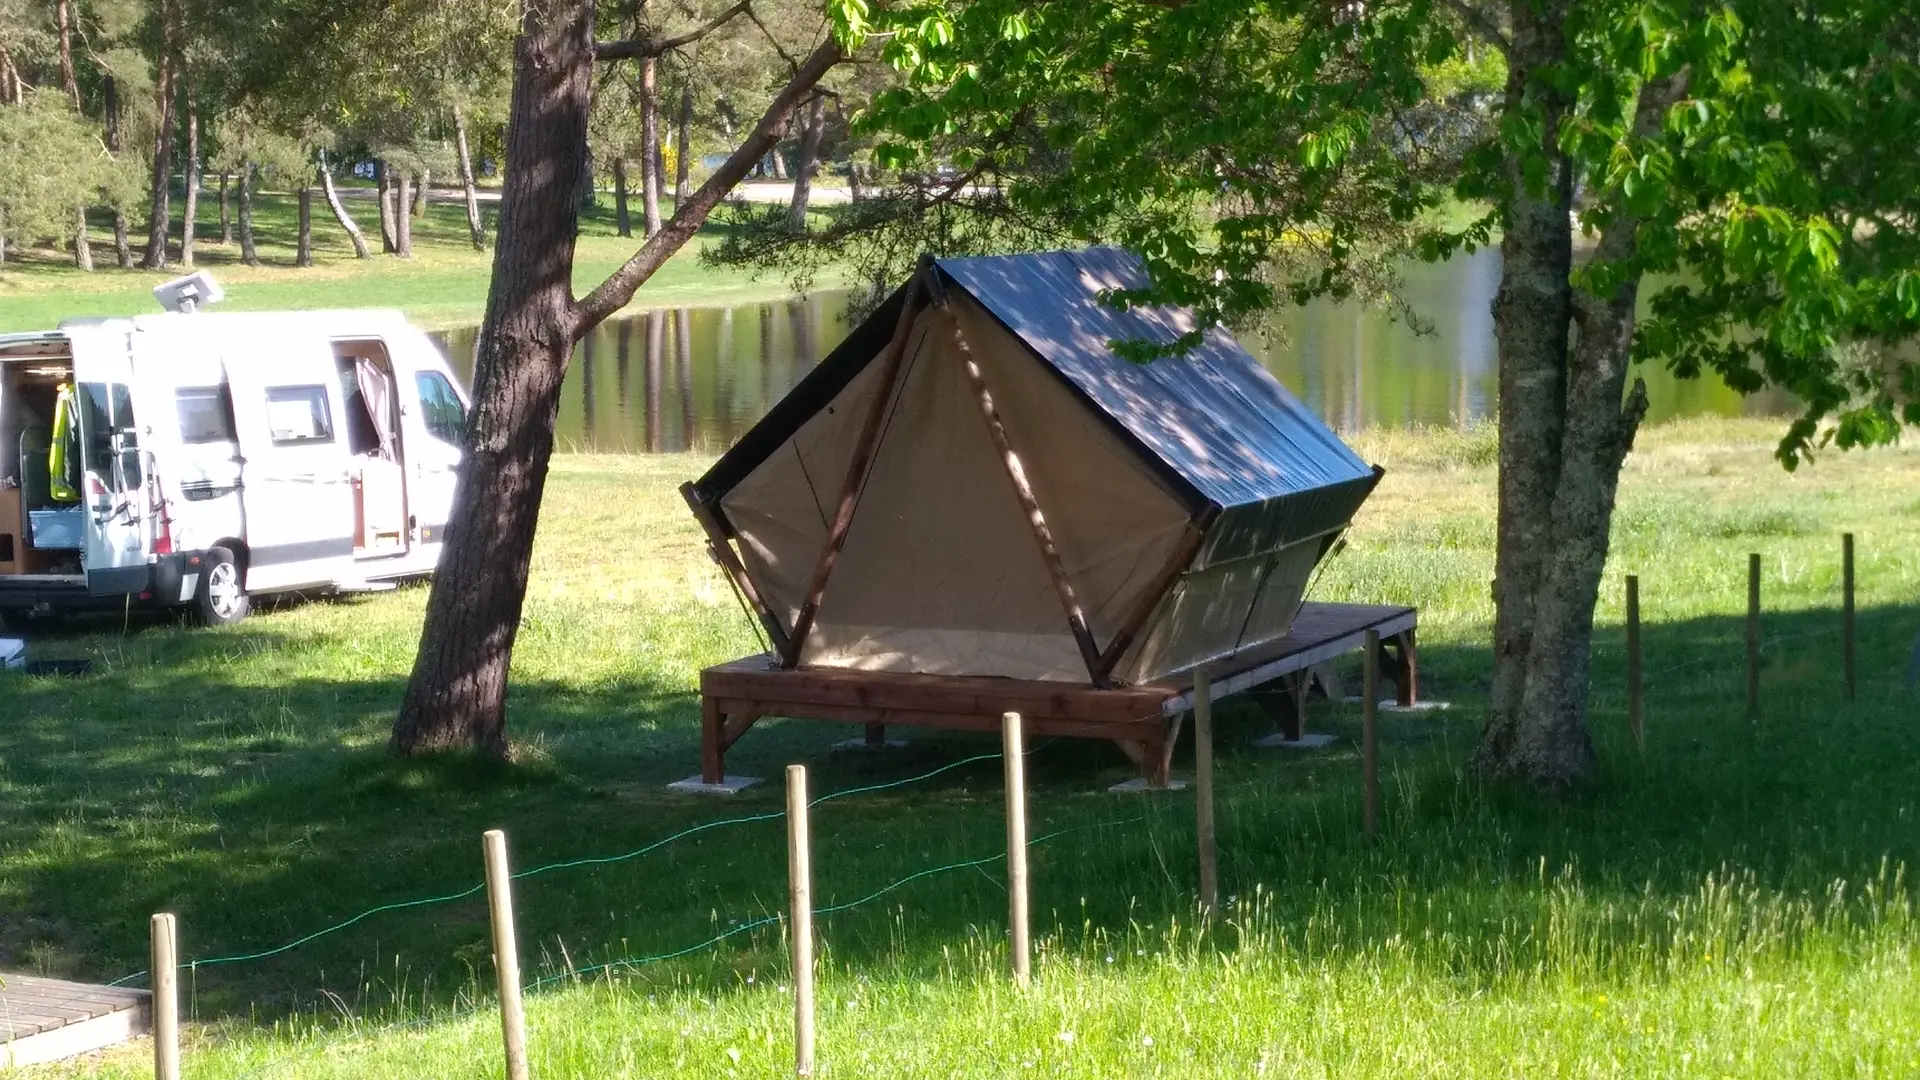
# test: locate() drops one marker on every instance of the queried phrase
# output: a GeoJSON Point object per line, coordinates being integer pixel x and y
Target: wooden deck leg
{"type": "Point", "coordinates": [1328, 678]}
{"type": "Point", "coordinates": [1286, 706]}
{"type": "Point", "coordinates": [1159, 764]}
{"type": "Point", "coordinates": [1406, 670]}
{"type": "Point", "coordinates": [713, 747]}
{"type": "Point", "coordinates": [876, 736]}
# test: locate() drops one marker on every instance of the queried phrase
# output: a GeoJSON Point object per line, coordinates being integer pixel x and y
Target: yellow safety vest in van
{"type": "Point", "coordinates": [57, 485]}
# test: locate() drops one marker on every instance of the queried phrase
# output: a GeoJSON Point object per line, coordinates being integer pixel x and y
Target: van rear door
{"type": "Point", "coordinates": [113, 473]}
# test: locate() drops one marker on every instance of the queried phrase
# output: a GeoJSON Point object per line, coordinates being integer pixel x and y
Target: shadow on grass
{"type": "Point", "coordinates": [262, 810]}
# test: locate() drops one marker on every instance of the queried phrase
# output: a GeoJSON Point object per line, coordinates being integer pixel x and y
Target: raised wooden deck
{"type": "Point", "coordinates": [1143, 720]}
{"type": "Point", "coordinates": [44, 1020]}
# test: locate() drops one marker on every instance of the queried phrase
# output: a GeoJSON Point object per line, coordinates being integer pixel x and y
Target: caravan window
{"type": "Point", "coordinates": [298, 415]}
{"type": "Point", "coordinates": [206, 414]}
{"type": "Point", "coordinates": [440, 407]}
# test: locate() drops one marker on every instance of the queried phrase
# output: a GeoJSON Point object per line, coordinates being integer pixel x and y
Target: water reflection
{"type": "Point", "coordinates": [707, 374]}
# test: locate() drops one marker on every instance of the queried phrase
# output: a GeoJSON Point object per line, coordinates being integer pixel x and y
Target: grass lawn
{"type": "Point", "coordinates": [444, 285]}
{"type": "Point", "coordinates": [1736, 901]}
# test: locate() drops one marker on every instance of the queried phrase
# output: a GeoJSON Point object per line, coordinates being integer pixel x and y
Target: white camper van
{"type": "Point", "coordinates": [195, 459]}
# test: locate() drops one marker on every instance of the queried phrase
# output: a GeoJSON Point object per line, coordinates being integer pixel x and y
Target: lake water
{"type": "Point", "coordinates": [697, 378]}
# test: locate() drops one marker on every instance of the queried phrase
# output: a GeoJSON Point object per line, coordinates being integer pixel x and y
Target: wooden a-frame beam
{"type": "Point", "coordinates": [1023, 490]}
{"type": "Point", "coordinates": [863, 450]}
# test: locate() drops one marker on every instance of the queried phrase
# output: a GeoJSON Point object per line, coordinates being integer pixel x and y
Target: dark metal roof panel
{"type": "Point", "coordinates": [1214, 416]}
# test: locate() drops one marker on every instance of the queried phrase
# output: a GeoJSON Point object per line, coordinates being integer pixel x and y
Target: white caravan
{"type": "Point", "coordinates": [196, 459]}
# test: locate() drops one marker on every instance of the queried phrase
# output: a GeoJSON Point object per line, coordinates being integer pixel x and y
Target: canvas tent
{"type": "Point", "coordinates": [974, 483]}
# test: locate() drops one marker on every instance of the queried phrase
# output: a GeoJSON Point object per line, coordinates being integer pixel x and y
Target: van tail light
{"type": "Point", "coordinates": [162, 521]}
{"type": "Point", "coordinates": [95, 488]}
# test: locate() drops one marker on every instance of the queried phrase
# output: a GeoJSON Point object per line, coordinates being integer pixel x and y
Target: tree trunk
{"type": "Point", "coordinates": [383, 187]}
{"type": "Point", "coordinates": [778, 160]}
{"type": "Point", "coordinates": [403, 216]}
{"type": "Point", "coordinates": [457, 694]}
{"type": "Point", "coordinates": [419, 204]}
{"type": "Point", "coordinates": [622, 218]}
{"type": "Point", "coordinates": [475, 231]}
{"type": "Point", "coordinates": [159, 202]}
{"type": "Point", "coordinates": [248, 254]}
{"type": "Point", "coordinates": [806, 163]}
{"type": "Point", "coordinates": [303, 247]}
{"type": "Point", "coordinates": [63, 22]}
{"type": "Point", "coordinates": [190, 203]}
{"type": "Point", "coordinates": [340, 210]}
{"type": "Point", "coordinates": [853, 181]}
{"type": "Point", "coordinates": [82, 248]}
{"type": "Point", "coordinates": [122, 246]}
{"type": "Point", "coordinates": [682, 148]}
{"type": "Point", "coordinates": [650, 143]}
{"type": "Point", "coordinates": [226, 217]}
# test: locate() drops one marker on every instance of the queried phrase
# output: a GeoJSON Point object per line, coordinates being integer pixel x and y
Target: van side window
{"type": "Point", "coordinates": [299, 414]}
{"type": "Point", "coordinates": [440, 408]}
{"type": "Point", "coordinates": [206, 414]}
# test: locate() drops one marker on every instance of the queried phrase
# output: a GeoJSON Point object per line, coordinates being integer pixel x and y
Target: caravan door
{"type": "Point", "coordinates": [113, 479]}
{"type": "Point", "coordinates": [296, 487]}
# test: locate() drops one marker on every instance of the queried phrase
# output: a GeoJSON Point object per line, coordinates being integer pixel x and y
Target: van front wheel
{"type": "Point", "coordinates": [223, 598]}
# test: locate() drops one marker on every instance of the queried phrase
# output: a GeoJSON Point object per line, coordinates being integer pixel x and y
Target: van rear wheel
{"type": "Point", "coordinates": [223, 598]}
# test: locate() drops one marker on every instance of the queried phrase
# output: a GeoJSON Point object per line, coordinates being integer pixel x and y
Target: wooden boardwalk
{"type": "Point", "coordinates": [44, 1020]}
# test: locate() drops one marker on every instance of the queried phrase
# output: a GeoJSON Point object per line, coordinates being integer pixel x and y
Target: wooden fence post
{"type": "Point", "coordinates": [506, 952]}
{"type": "Point", "coordinates": [1203, 790]}
{"type": "Point", "coordinates": [1846, 610]}
{"type": "Point", "coordinates": [1753, 635]}
{"type": "Point", "coordinates": [800, 890]}
{"type": "Point", "coordinates": [1369, 750]}
{"type": "Point", "coordinates": [165, 965]}
{"type": "Point", "coordinates": [1013, 755]}
{"type": "Point", "coordinates": [1636, 717]}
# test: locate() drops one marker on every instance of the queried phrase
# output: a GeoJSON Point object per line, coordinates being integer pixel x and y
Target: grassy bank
{"type": "Point", "coordinates": [1735, 901]}
{"type": "Point", "coordinates": [443, 285]}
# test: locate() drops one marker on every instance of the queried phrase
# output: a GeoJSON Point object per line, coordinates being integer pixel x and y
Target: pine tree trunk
{"type": "Point", "coordinates": [476, 232]}
{"type": "Point", "coordinates": [340, 210]}
{"type": "Point", "coordinates": [622, 218]}
{"type": "Point", "coordinates": [419, 205]}
{"type": "Point", "coordinates": [63, 23]}
{"type": "Point", "coordinates": [160, 208]}
{"type": "Point", "coordinates": [403, 217]}
{"type": "Point", "coordinates": [853, 181]}
{"type": "Point", "coordinates": [226, 218]}
{"type": "Point", "coordinates": [457, 695]}
{"type": "Point", "coordinates": [682, 141]}
{"type": "Point", "coordinates": [303, 247]}
{"type": "Point", "coordinates": [806, 163]}
{"type": "Point", "coordinates": [82, 248]}
{"type": "Point", "coordinates": [248, 254]}
{"type": "Point", "coordinates": [650, 143]}
{"type": "Point", "coordinates": [122, 246]}
{"type": "Point", "coordinates": [383, 187]}
{"type": "Point", "coordinates": [190, 203]}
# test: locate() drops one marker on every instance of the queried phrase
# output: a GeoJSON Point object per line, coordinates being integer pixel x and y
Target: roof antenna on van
{"type": "Point", "coordinates": [190, 293]}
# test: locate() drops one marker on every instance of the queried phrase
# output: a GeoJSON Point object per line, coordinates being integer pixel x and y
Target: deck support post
{"type": "Point", "coordinates": [1203, 792]}
{"type": "Point", "coordinates": [863, 451]}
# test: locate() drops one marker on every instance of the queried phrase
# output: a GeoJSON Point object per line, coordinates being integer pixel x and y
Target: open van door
{"type": "Point", "coordinates": [101, 426]}
{"type": "Point", "coordinates": [296, 487]}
